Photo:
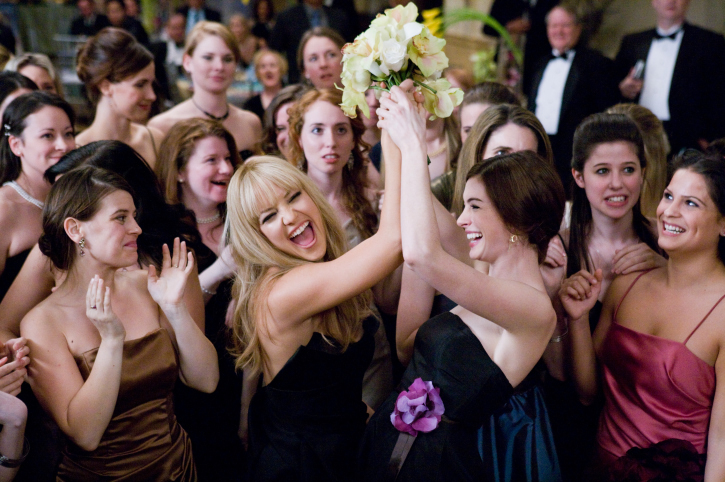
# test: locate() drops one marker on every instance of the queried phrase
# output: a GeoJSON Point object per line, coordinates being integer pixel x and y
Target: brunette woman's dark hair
{"type": "Point", "coordinates": [13, 124]}
{"type": "Point", "coordinates": [11, 81]}
{"type": "Point", "coordinates": [595, 130]}
{"type": "Point", "coordinates": [325, 32]}
{"type": "Point", "coordinates": [354, 175]}
{"type": "Point", "coordinates": [288, 95]}
{"type": "Point", "coordinates": [711, 167]}
{"type": "Point", "coordinates": [160, 222]}
{"type": "Point", "coordinates": [112, 54]}
{"type": "Point", "coordinates": [78, 194]}
{"type": "Point", "coordinates": [526, 192]}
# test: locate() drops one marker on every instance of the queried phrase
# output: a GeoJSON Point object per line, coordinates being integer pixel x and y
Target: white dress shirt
{"type": "Point", "coordinates": [551, 91]}
{"type": "Point", "coordinates": [658, 72]}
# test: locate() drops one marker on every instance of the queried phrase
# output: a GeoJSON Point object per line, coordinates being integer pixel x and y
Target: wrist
{"type": "Point", "coordinates": [175, 311]}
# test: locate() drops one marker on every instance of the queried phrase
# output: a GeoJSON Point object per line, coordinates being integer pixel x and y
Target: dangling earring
{"type": "Point", "coordinates": [82, 245]}
{"type": "Point", "coordinates": [301, 164]}
{"type": "Point", "coordinates": [513, 240]}
{"type": "Point", "coordinates": [351, 162]}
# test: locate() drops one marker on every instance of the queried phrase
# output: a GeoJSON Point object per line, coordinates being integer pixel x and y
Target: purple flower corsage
{"type": "Point", "coordinates": [419, 409]}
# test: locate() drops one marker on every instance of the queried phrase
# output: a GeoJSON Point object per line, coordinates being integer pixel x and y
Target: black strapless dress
{"type": "Point", "coordinates": [471, 386]}
{"type": "Point", "coordinates": [306, 424]}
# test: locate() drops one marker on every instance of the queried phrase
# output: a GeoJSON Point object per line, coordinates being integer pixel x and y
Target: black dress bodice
{"type": "Point", "coordinates": [471, 386]}
{"type": "Point", "coordinates": [306, 424]}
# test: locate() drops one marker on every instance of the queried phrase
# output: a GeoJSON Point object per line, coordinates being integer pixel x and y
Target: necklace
{"type": "Point", "coordinates": [212, 116]}
{"type": "Point", "coordinates": [439, 150]}
{"type": "Point", "coordinates": [208, 220]}
{"type": "Point", "coordinates": [24, 194]}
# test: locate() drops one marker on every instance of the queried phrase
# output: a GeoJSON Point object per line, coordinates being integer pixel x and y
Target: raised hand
{"type": "Point", "coordinates": [167, 289]}
{"type": "Point", "coordinates": [402, 115]}
{"type": "Point", "coordinates": [637, 257]}
{"type": "Point", "coordinates": [99, 311]}
{"type": "Point", "coordinates": [555, 253]}
{"type": "Point", "coordinates": [579, 293]}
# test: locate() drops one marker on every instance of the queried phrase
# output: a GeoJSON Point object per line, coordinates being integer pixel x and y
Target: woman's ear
{"type": "Point", "coordinates": [16, 145]}
{"type": "Point", "coordinates": [186, 63]}
{"type": "Point", "coordinates": [579, 178]}
{"type": "Point", "coordinates": [73, 229]}
{"type": "Point", "coordinates": [105, 87]}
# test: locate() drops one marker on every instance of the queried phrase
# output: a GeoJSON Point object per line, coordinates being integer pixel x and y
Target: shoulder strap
{"type": "Point", "coordinates": [703, 320]}
{"type": "Point", "coordinates": [616, 310]}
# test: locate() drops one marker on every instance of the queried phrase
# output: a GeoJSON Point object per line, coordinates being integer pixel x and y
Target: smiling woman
{"type": "Point", "coordinates": [119, 74]}
{"type": "Point", "coordinates": [210, 59]}
{"type": "Point", "coordinates": [110, 389]}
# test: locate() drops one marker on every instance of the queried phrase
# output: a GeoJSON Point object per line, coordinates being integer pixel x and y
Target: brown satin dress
{"type": "Point", "coordinates": [143, 441]}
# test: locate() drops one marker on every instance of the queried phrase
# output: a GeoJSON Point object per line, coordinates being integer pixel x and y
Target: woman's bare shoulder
{"type": "Point", "coordinates": [164, 121]}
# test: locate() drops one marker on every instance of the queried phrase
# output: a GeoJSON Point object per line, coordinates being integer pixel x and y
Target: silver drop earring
{"type": "Point", "coordinates": [82, 245]}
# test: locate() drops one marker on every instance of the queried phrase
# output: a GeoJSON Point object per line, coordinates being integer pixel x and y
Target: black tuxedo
{"type": "Point", "coordinates": [697, 92]}
{"type": "Point", "coordinates": [591, 87]}
{"type": "Point", "coordinates": [79, 27]}
{"type": "Point", "coordinates": [210, 14]}
{"type": "Point", "coordinates": [537, 43]}
{"type": "Point", "coordinates": [291, 26]}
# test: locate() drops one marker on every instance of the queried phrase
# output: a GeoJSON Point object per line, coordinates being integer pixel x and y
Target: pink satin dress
{"type": "Point", "coordinates": [655, 389]}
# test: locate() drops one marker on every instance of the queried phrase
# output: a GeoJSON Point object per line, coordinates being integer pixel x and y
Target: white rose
{"type": "Point", "coordinates": [392, 56]}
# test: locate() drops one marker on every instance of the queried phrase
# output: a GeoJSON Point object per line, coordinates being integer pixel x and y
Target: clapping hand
{"type": "Point", "coordinates": [99, 311]}
{"type": "Point", "coordinates": [167, 289]}
{"type": "Point", "coordinates": [555, 253]}
{"type": "Point", "coordinates": [12, 365]}
{"type": "Point", "coordinates": [579, 293]}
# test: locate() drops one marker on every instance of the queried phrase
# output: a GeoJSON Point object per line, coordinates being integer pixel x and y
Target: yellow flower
{"type": "Point", "coordinates": [426, 51]}
{"type": "Point", "coordinates": [351, 99]}
{"type": "Point", "coordinates": [441, 103]}
{"type": "Point", "coordinates": [433, 20]}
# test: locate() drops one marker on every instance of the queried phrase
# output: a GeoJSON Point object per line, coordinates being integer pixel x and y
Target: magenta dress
{"type": "Point", "coordinates": [655, 389]}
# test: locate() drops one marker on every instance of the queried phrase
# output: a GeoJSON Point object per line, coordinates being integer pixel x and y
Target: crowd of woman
{"type": "Point", "coordinates": [216, 295]}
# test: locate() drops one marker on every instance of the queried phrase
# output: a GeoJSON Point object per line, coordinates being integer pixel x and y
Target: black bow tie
{"type": "Point", "coordinates": [563, 55]}
{"type": "Point", "coordinates": [672, 36]}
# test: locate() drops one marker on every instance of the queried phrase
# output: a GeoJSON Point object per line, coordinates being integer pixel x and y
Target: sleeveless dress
{"type": "Point", "coordinates": [471, 387]}
{"type": "Point", "coordinates": [306, 424]}
{"type": "Point", "coordinates": [143, 441]}
{"type": "Point", "coordinates": [655, 389]}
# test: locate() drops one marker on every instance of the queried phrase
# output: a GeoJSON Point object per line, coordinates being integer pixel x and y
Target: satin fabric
{"type": "Point", "coordinates": [143, 441]}
{"type": "Point", "coordinates": [655, 389]}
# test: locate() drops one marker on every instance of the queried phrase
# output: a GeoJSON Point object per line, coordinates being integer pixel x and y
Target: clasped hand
{"type": "Point", "coordinates": [402, 115]}
{"type": "Point", "coordinates": [167, 288]}
{"type": "Point", "coordinates": [579, 293]}
{"type": "Point", "coordinates": [12, 365]}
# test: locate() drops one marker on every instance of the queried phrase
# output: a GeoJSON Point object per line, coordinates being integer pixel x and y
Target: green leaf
{"type": "Point", "coordinates": [469, 14]}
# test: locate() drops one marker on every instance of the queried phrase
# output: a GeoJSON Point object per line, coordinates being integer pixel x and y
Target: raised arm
{"type": "Point", "coordinates": [199, 366]}
{"type": "Point", "coordinates": [578, 295]}
{"type": "Point", "coordinates": [315, 287]}
{"type": "Point", "coordinates": [81, 409]}
{"type": "Point", "coordinates": [715, 466]}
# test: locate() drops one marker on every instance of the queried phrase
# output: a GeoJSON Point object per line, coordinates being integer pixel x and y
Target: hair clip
{"type": "Point", "coordinates": [7, 129]}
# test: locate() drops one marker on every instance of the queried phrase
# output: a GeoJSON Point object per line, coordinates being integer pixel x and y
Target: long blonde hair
{"type": "Point", "coordinates": [260, 263]}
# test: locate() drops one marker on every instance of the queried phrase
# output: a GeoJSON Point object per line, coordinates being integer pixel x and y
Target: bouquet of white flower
{"type": "Point", "coordinates": [393, 49]}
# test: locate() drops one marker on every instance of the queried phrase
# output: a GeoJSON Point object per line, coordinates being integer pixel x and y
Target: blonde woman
{"type": "Point", "coordinates": [210, 59]}
{"type": "Point", "coordinates": [301, 302]}
{"type": "Point", "coordinates": [39, 69]}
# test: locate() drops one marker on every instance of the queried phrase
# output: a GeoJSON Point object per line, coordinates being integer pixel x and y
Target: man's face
{"type": "Point", "coordinates": [85, 7]}
{"type": "Point", "coordinates": [562, 30]}
{"type": "Point", "coordinates": [176, 28]}
{"type": "Point", "coordinates": [673, 11]}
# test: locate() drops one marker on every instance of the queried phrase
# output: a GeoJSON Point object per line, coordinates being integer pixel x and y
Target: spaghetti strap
{"type": "Point", "coordinates": [153, 142]}
{"type": "Point", "coordinates": [703, 320]}
{"type": "Point", "coordinates": [616, 310]}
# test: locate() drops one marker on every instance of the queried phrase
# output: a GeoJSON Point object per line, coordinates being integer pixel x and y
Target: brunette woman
{"type": "Point", "coordinates": [13, 84]}
{"type": "Point", "coordinates": [608, 232]}
{"type": "Point", "coordinates": [275, 140]}
{"type": "Point", "coordinates": [658, 339]}
{"type": "Point", "coordinates": [210, 58]}
{"type": "Point", "coordinates": [319, 57]}
{"type": "Point", "coordinates": [118, 73]}
{"type": "Point", "coordinates": [467, 361]}
{"type": "Point", "coordinates": [132, 337]}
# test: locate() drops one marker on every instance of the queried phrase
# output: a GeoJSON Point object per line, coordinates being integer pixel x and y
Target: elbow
{"type": "Point", "coordinates": [416, 257]}
{"type": "Point", "coordinates": [87, 442]}
{"type": "Point", "coordinates": [210, 384]}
